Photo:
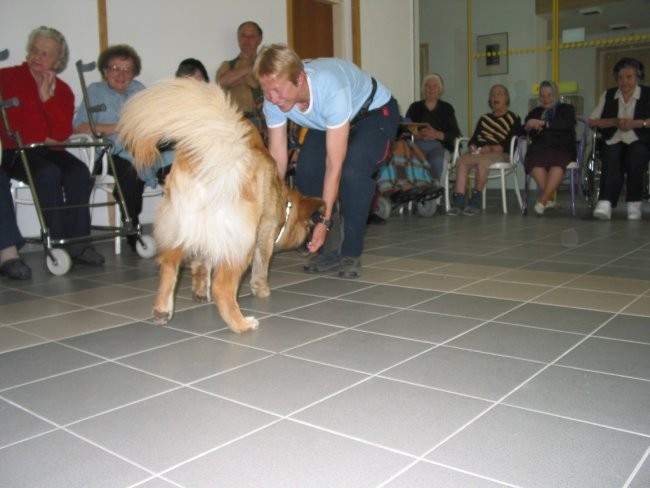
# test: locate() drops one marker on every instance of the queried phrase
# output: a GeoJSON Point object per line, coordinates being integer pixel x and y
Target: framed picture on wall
{"type": "Point", "coordinates": [492, 50]}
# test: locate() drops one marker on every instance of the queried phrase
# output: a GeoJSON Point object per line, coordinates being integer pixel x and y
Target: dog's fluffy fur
{"type": "Point", "coordinates": [224, 203]}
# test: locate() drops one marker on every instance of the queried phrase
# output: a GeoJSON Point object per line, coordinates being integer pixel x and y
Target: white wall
{"type": "Point", "coordinates": [162, 31]}
{"type": "Point", "coordinates": [443, 27]}
{"type": "Point", "coordinates": [166, 31]}
{"type": "Point", "coordinates": [387, 49]}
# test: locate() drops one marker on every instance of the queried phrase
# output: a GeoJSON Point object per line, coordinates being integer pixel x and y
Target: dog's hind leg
{"type": "Point", "coordinates": [225, 283]}
{"type": "Point", "coordinates": [260, 270]}
{"type": "Point", "coordinates": [163, 308]}
{"type": "Point", "coordinates": [200, 280]}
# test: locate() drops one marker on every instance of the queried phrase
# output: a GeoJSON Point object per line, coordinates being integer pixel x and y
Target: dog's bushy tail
{"type": "Point", "coordinates": [197, 117]}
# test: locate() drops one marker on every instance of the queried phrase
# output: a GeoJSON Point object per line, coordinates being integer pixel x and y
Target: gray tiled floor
{"type": "Point", "coordinates": [474, 352]}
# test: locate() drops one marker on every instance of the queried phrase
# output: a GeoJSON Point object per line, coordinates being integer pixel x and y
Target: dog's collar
{"type": "Point", "coordinates": [287, 211]}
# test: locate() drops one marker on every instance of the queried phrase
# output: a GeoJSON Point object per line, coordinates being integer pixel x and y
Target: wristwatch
{"type": "Point", "coordinates": [320, 219]}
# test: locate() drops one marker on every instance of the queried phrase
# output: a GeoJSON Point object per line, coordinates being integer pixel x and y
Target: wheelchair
{"type": "Point", "coordinates": [407, 181]}
{"type": "Point", "coordinates": [591, 169]}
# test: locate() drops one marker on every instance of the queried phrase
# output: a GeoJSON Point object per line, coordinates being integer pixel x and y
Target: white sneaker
{"type": "Point", "coordinates": [633, 210]}
{"type": "Point", "coordinates": [603, 210]}
{"type": "Point", "coordinates": [539, 208]}
{"type": "Point", "coordinates": [551, 204]}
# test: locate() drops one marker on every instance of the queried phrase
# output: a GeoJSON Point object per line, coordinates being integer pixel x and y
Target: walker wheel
{"type": "Point", "coordinates": [426, 208]}
{"type": "Point", "coordinates": [145, 246]}
{"type": "Point", "coordinates": [385, 208]}
{"type": "Point", "coordinates": [58, 261]}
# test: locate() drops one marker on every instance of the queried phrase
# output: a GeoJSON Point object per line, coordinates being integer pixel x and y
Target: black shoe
{"type": "Point", "coordinates": [15, 269]}
{"type": "Point", "coordinates": [89, 256]}
{"type": "Point", "coordinates": [375, 219]}
{"type": "Point", "coordinates": [132, 241]}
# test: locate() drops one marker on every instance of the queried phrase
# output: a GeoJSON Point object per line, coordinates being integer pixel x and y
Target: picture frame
{"type": "Point", "coordinates": [491, 58]}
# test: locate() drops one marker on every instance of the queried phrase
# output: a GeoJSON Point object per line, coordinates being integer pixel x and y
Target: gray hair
{"type": "Point", "coordinates": [51, 33]}
{"type": "Point", "coordinates": [437, 78]}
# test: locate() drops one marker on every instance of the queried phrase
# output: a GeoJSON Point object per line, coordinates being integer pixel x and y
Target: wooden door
{"type": "Point", "coordinates": [311, 32]}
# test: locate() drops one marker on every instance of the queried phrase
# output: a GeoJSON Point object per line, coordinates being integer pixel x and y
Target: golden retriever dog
{"type": "Point", "coordinates": [225, 206]}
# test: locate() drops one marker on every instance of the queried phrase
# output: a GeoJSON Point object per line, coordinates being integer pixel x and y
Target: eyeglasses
{"type": "Point", "coordinates": [117, 69]}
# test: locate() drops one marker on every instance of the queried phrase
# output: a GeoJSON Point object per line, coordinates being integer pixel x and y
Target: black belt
{"type": "Point", "coordinates": [363, 111]}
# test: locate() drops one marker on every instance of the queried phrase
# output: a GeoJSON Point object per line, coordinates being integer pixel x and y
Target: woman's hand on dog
{"type": "Point", "coordinates": [317, 238]}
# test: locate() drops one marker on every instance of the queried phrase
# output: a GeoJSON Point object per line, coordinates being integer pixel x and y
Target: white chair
{"type": "Point", "coordinates": [499, 169]}
{"type": "Point", "coordinates": [508, 168]}
{"type": "Point", "coordinates": [460, 146]}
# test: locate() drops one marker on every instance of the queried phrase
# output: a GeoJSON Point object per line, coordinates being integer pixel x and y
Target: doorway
{"type": "Point", "coordinates": [311, 28]}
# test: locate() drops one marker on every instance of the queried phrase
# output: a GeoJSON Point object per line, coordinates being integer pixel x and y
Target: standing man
{"type": "Point", "coordinates": [236, 75]}
{"type": "Point", "coordinates": [352, 120]}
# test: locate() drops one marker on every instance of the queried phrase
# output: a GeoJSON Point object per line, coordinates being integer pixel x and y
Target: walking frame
{"type": "Point", "coordinates": [58, 260]}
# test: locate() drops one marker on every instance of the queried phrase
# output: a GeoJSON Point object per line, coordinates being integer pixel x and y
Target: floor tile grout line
{"type": "Point", "coordinates": [506, 395]}
{"type": "Point", "coordinates": [580, 421]}
{"type": "Point", "coordinates": [637, 468]}
{"type": "Point", "coordinates": [446, 466]}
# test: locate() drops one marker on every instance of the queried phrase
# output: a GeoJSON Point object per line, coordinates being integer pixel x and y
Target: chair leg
{"type": "Point", "coordinates": [118, 239]}
{"type": "Point", "coordinates": [447, 200]}
{"type": "Point", "coordinates": [524, 207]}
{"type": "Point", "coordinates": [516, 185]}
{"type": "Point", "coordinates": [503, 192]}
{"type": "Point", "coordinates": [572, 182]}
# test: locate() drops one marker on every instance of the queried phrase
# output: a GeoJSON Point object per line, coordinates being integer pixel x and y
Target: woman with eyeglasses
{"type": "Point", "coordinates": [119, 66]}
{"type": "Point", "coordinates": [45, 115]}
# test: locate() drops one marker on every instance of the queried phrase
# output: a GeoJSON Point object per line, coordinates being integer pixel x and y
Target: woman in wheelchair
{"type": "Point", "coordinates": [44, 115]}
{"type": "Point", "coordinates": [623, 117]}
{"type": "Point", "coordinates": [551, 131]}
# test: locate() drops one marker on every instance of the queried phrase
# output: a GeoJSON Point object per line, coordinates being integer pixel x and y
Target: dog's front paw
{"type": "Point", "coordinates": [260, 289]}
{"type": "Point", "coordinates": [161, 317]}
{"type": "Point", "coordinates": [249, 323]}
{"type": "Point", "coordinates": [199, 298]}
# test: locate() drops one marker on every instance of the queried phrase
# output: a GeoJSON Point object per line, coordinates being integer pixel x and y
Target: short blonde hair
{"type": "Point", "coordinates": [278, 61]}
{"type": "Point", "coordinates": [435, 77]}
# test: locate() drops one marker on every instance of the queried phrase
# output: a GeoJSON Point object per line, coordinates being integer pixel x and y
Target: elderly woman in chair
{"type": "Point", "coordinates": [623, 116]}
{"type": "Point", "coordinates": [441, 130]}
{"type": "Point", "coordinates": [489, 144]}
{"type": "Point", "coordinates": [551, 131]}
{"type": "Point", "coordinates": [61, 181]}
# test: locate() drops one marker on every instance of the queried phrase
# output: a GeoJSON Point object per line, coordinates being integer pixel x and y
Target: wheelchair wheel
{"type": "Point", "coordinates": [426, 208]}
{"type": "Point", "coordinates": [385, 208]}
{"type": "Point", "coordinates": [146, 246]}
{"type": "Point", "coordinates": [591, 182]}
{"type": "Point", "coordinates": [58, 261]}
